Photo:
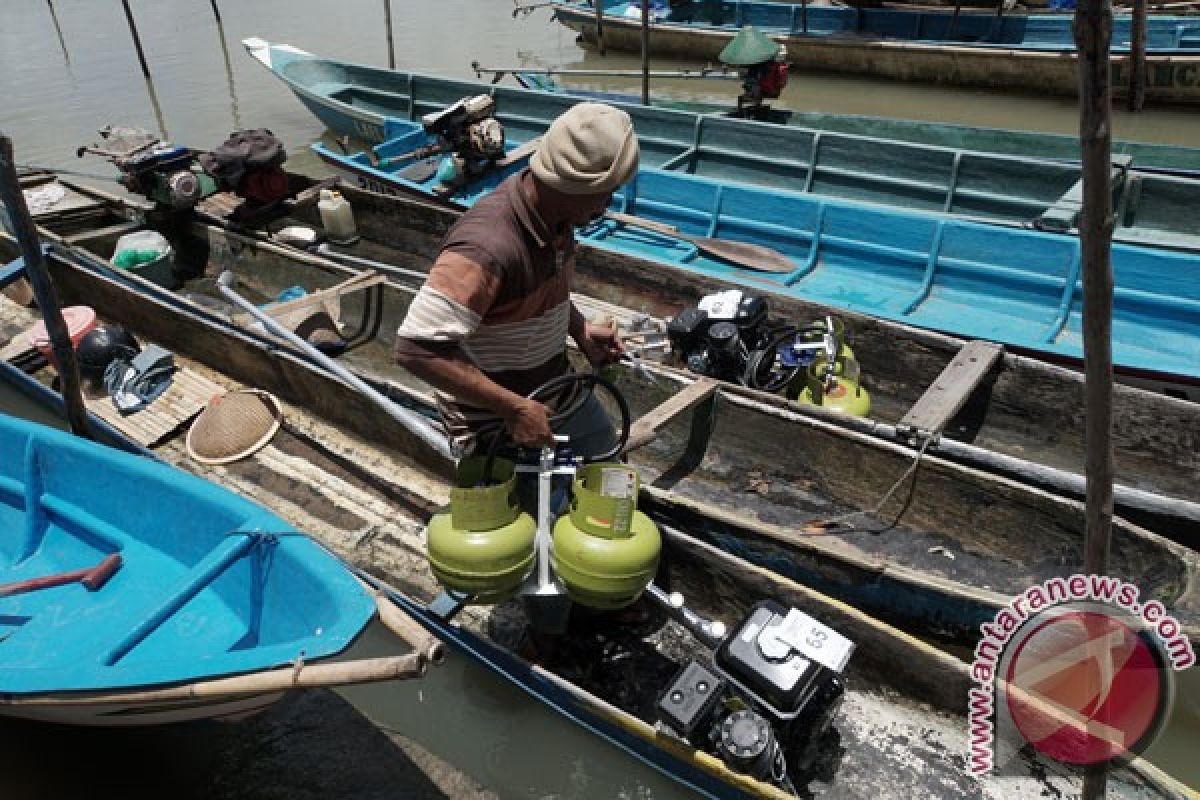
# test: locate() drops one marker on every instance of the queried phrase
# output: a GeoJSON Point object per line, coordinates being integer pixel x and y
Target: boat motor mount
{"type": "Point", "coordinates": [469, 130]}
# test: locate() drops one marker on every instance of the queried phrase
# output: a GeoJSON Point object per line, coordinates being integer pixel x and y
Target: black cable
{"type": "Point", "coordinates": [590, 380]}
{"type": "Point", "coordinates": [755, 362]}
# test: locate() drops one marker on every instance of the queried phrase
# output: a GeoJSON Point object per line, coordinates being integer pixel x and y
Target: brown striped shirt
{"type": "Point", "coordinates": [500, 291]}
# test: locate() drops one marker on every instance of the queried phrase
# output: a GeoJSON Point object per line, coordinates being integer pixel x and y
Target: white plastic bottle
{"type": "Point", "coordinates": [336, 217]}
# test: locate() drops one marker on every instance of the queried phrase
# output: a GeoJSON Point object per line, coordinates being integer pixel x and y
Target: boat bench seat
{"type": "Point", "coordinates": [1064, 214]}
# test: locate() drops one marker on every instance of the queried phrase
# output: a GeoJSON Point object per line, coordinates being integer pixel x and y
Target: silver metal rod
{"type": "Point", "coordinates": [709, 74]}
{"type": "Point", "coordinates": [411, 420]}
{"type": "Point", "coordinates": [710, 632]}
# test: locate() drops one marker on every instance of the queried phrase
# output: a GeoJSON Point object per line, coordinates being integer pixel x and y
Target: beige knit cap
{"type": "Point", "coordinates": [590, 149]}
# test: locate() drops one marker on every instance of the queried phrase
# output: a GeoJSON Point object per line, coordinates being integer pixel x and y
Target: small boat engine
{"type": "Point", "coordinates": [469, 129]}
{"type": "Point", "coordinates": [152, 168]}
{"type": "Point", "coordinates": [716, 337]}
{"type": "Point", "coordinates": [768, 695]}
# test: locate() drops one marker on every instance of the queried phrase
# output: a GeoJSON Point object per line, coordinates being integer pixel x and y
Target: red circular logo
{"type": "Point", "coordinates": [1085, 688]}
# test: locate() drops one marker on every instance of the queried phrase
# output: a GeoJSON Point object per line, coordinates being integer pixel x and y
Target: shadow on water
{"type": "Point", "coordinates": [311, 745]}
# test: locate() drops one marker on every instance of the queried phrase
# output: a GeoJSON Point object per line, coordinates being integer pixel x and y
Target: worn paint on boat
{"type": "Point", "coordinates": [1026, 52]}
{"type": "Point", "coordinates": [851, 158]}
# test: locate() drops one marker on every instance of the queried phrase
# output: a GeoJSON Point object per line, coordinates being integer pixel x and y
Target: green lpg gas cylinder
{"type": "Point", "coordinates": [846, 394]}
{"type": "Point", "coordinates": [605, 550]}
{"type": "Point", "coordinates": [482, 544]}
{"type": "Point", "coordinates": [839, 333]}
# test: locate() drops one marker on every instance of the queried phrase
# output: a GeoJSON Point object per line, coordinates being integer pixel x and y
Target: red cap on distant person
{"type": "Point", "coordinates": [590, 149]}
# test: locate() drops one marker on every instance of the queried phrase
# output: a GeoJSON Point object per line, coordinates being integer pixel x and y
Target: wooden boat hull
{"type": "Point", "coordinates": [851, 158]}
{"type": "Point", "coordinates": [1028, 409]}
{"type": "Point", "coordinates": [1171, 77]}
{"type": "Point", "coordinates": [971, 515]}
{"type": "Point", "coordinates": [385, 492]}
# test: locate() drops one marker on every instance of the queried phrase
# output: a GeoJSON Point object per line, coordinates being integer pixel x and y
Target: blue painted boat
{"type": "Point", "coordinates": [1025, 184]}
{"type": "Point", "coordinates": [1018, 287]}
{"type": "Point", "coordinates": [1034, 52]}
{"type": "Point", "coordinates": [217, 605]}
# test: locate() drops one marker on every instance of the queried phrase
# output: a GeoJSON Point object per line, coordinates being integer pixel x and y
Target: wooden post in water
{"type": "Point", "coordinates": [645, 52]}
{"type": "Point", "coordinates": [599, 4]}
{"type": "Point", "coordinates": [1137, 57]}
{"type": "Point", "coordinates": [1093, 39]}
{"type": "Point", "coordinates": [47, 300]}
{"type": "Point", "coordinates": [216, 11]}
{"type": "Point", "coordinates": [387, 14]}
{"type": "Point", "coordinates": [58, 29]}
{"type": "Point", "coordinates": [137, 40]}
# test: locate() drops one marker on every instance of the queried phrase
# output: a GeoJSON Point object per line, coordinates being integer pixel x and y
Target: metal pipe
{"type": "Point", "coordinates": [645, 52]}
{"type": "Point", "coordinates": [706, 73]}
{"type": "Point", "coordinates": [387, 15]}
{"type": "Point", "coordinates": [411, 420]}
{"type": "Point", "coordinates": [710, 632]}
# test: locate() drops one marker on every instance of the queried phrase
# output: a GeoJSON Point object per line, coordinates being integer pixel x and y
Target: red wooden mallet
{"type": "Point", "coordinates": [92, 578]}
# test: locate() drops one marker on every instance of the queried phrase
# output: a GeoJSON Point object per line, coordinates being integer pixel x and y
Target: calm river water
{"type": "Point", "coordinates": [69, 68]}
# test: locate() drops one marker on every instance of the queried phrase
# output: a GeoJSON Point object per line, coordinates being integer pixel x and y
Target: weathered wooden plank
{"type": "Point", "coordinates": [1064, 214]}
{"type": "Point", "coordinates": [186, 397]}
{"type": "Point", "coordinates": [949, 393]}
{"type": "Point", "coordinates": [645, 429]}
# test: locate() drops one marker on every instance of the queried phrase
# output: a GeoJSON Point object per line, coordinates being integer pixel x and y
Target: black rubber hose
{"type": "Point", "coordinates": [750, 378]}
{"type": "Point", "coordinates": [591, 380]}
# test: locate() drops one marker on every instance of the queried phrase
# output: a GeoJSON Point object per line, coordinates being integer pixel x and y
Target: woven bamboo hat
{"type": "Point", "coordinates": [751, 46]}
{"type": "Point", "coordinates": [234, 426]}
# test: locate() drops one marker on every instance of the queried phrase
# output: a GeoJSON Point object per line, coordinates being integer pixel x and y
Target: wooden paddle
{"type": "Point", "coordinates": [741, 254]}
{"type": "Point", "coordinates": [92, 578]}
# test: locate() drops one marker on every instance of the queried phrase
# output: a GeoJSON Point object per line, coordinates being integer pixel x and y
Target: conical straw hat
{"type": "Point", "coordinates": [750, 46]}
{"type": "Point", "coordinates": [234, 426]}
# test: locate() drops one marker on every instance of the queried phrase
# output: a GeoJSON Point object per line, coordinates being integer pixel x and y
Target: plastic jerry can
{"type": "Point", "coordinates": [337, 217]}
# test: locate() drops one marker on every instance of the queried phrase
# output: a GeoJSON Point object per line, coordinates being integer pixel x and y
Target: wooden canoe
{"type": "Point", "coordinates": [367, 501]}
{"type": "Point", "coordinates": [762, 484]}
{"type": "Point", "coordinates": [945, 171]}
{"type": "Point", "coordinates": [1032, 53]}
{"type": "Point", "coordinates": [1026, 418]}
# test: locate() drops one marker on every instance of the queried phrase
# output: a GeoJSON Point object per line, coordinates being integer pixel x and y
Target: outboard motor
{"type": "Point", "coordinates": [717, 336]}
{"type": "Point", "coordinates": [471, 132]}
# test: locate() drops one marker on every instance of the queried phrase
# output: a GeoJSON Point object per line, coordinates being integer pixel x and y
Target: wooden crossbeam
{"type": "Point", "coordinates": [1064, 214]}
{"type": "Point", "coordinates": [645, 428]}
{"type": "Point", "coordinates": [948, 394]}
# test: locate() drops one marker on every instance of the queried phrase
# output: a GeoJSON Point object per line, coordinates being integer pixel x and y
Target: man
{"type": "Point", "coordinates": [490, 323]}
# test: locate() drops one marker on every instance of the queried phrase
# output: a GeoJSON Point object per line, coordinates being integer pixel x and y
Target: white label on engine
{"type": "Point", "coordinates": [801, 633]}
{"type": "Point", "coordinates": [721, 305]}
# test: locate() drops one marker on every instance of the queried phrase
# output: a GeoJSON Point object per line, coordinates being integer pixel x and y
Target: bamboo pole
{"type": "Point", "coordinates": [137, 40]}
{"type": "Point", "coordinates": [387, 16]}
{"type": "Point", "coordinates": [599, 4]}
{"type": "Point", "coordinates": [1093, 39]}
{"type": "Point", "coordinates": [1137, 57]}
{"type": "Point", "coordinates": [301, 676]}
{"type": "Point", "coordinates": [58, 29]}
{"type": "Point", "coordinates": [645, 52]}
{"type": "Point", "coordinates": [35, 268]}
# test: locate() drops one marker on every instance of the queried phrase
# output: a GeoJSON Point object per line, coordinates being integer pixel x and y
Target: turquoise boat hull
{"type": "Point", "coordinates": [1019, 287]}
{"type": "Point", "coordinates": [1001, 188]}
{"type": "Point", "coordinates": [211, 584]}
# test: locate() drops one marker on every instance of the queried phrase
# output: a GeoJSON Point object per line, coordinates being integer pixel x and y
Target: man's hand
{"type": "Point", "coordinates": [528, 424]}
{"type": "Point", "coordinates": [600, 344]}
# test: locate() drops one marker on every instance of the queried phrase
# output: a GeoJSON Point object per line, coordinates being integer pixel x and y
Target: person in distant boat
{"type": "Point", "coordinates": [491, 321]}
{"type": "Point", "coordinates": [766, 70]}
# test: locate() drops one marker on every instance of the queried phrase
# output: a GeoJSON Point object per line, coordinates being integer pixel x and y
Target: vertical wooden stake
{"type": "Point", "coordinates": [58, 29]}
{"type": "Point", "coordinates": [137, 41]}
{"type": "Point", "coordinates": [804, 15]}
{"type": "Point", "coordinates": [387, 13]}
{"type": "Point", "coordinates": [216, 11]}
{"type": "Point", "coordinates": [1093, 40]}
{"type": "Point", "coordinates": [1137, 57]}
{"type": "Point", "coordinates": [47, 300]}
{"type": "Point", "coordinates": [645, 52]}
{"type": "Point", "coordinates": [599, 4]}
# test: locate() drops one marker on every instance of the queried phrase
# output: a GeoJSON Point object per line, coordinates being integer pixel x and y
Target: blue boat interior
{"type": "Point", "coordinates": [211, 584]}
{"type": "Point", "coordinates": [1010, 31]}
{"type": "Point", "coordinates": [1019, 287]}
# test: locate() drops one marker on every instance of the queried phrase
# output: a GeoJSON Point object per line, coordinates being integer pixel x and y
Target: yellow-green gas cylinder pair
{"type": "Point", "coordinates": [605, 550]}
